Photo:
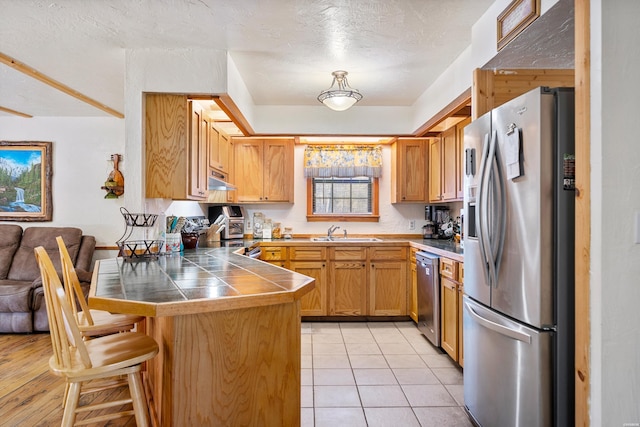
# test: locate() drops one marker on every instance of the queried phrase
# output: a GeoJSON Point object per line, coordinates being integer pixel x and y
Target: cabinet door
{"type": "Point", "coordinates": [248, 169]}
{"type": "Point", "coordinates": [278, 170]}
{"type": "Point", "coordinates": [435, 170]}
{"type": "Point", "coordinates": [167, 146]}
{"type": "Point", "coordinates": [460, 157]}
{"type": "Point", "coordinates": [449, 164]}
{"type": "Point", "coordinates": [388, 288]}
{"type": "Point", "coordinates": [409, 170]}
{"type": "Point", "coordinates": [449, 316]}
{"type": "Point", "coordinates": [214, 147]}
{"type": "Point", "coordinates": [348, 288]}
{"type": "Point", "coordinates": [460, 328]}
{"type": "Point", "coordinates": [313, 303]}
{"type": "Point", "coordinates": [413, 287]}
{"type": "Point", "coordinates": [197, 153]}
{"type": "Point", "coordinates": [224, 148]}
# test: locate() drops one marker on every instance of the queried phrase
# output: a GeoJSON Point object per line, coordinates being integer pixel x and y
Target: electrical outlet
{"type": "Point", "coordinates": [248, 224]}
{"type": "Point", "coordinates": [412, 224]}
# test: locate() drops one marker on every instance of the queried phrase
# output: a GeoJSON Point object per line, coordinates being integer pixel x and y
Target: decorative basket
{"type": "Point", "coordinates": [138, 219]}
{"type": "Point", "coordinates": [140, 250]}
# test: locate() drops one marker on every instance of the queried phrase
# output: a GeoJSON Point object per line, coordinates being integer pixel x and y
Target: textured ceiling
{"type": "Point", "coordinates": [285, 50]}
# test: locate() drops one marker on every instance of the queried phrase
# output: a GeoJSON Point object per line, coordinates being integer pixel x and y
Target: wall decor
{"type": "Point", "coordinates": [114, 185]}
{"type": "Point", "coordinates": [515, 18]}
{"type": "Point", "coordinates": [25, 181]}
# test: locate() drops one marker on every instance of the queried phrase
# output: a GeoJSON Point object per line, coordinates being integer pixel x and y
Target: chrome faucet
{"type": "Point", "coordinates": [331, 230]}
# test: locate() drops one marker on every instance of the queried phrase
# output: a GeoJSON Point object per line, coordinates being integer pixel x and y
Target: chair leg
{"type": "Point", "coordinates": [66, 393]}
{"type": "Point", "coordinates": [138, 399]}
{"type": "Point", "coordinates": [70, 406]}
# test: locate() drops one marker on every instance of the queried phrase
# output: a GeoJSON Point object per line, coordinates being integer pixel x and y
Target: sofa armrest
{"type": "Point", "coordinates": [84, 276]}
{"type": "Point", "coordinates": [84, 260]}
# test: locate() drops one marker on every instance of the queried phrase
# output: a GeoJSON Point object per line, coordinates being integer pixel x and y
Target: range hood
{"type": "Point", "coordinates": [217, 182]}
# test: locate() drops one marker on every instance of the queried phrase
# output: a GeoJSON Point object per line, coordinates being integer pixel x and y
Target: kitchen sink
{"type": "Point", "coordinates": [345, 239]}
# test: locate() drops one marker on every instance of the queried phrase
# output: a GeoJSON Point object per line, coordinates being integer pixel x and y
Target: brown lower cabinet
{"type": "Point", "coordinates": [388, 296]}
{"type": "Point", "coordinates": [413, 286]}
{"type": "Point", "coordinates": [350, 280]}
{"type": "Point", "coordinates": [348, 288]}
{"type": "Point", "coordinates": [314, 303]}
{"type": "Point", "coordinates": [451, 308]}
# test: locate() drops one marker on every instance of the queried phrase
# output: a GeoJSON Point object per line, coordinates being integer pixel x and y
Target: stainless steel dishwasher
{"type": "Point", "coordinates": [429, 296]}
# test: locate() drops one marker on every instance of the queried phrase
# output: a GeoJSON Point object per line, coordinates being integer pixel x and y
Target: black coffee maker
{"type": "Point", "coordinates": [436, 216]}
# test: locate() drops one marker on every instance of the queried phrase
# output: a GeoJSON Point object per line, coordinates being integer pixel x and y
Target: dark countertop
{"type": "Point", "coordinates": [446, 248]}
{"type": "Point", "coordinates": [196, 281]}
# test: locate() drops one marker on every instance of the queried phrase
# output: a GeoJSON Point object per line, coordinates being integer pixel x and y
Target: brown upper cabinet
{"type": "Point", "coordinates": [409, 170]}
{"type": "Point", "coordinates": [263, 169]}
{"type": "Point", "coordinates": [219, 149]}
{"type": "Point", "coordinates": [460, 157]}
{"type": "Point", "coordinates": [175, 148]}
{"type": "Point", "coordinates": [445, 164]}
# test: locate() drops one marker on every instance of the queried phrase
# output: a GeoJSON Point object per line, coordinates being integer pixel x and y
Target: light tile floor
{"type": "Point", "coordinates": [377, 374]}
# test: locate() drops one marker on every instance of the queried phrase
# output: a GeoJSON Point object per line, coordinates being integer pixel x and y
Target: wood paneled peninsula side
{"type": "Point", "coordinates": [228, 327]}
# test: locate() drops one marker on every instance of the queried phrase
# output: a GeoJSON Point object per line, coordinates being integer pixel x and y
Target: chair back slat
{"type": "Point", "coordinates": [66, 338]}
{"type": "Point", "coordinates": [73, 288]}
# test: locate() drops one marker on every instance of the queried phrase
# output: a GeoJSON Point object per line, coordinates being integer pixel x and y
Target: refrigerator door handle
{"type": "Point", "coordinates": [499, 193]}
{"type": "Point", "coordinates": [503, 330]}
{"type": "Point", "coordinates": [492, 208]}
{"type": "Point", "coordinates": [489, 199]}
{"type": "Point", "coordinates": [481, 211]}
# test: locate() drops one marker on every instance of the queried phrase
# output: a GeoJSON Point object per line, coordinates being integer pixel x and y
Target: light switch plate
{"type": "Point", "coordinates": [636, 231]}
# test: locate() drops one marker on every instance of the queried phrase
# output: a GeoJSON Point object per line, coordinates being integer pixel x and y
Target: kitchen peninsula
{"type": "Point", "coordinates": [228, 328]}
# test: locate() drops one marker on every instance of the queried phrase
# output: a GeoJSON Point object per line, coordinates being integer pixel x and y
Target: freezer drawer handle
{"type": "Point", "coordinates": [516, 335]}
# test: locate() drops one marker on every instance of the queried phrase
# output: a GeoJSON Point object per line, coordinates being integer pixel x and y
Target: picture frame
{"type": "Point", "coordinates": [25, 181]}
{"type": "Point", "coordinates": [515, 18]}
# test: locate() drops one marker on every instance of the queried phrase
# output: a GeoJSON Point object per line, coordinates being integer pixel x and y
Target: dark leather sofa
{"type": "Point", "coordinates": [22, 305]}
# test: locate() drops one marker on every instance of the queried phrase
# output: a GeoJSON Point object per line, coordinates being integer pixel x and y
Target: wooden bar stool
{"type": "Point", "coordinates": [90, 322]}
{"type": "Point", "coordinates": [100, 363]}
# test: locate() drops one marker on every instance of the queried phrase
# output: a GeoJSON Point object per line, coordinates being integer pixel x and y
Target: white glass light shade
{"type": "Point", "coordinates": [339, 102]}
{"type": "Point", "coordinates": [342, 98]}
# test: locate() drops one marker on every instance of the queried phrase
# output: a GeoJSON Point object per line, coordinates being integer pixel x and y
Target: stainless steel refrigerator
{"type": "Point", "coordinates": [518, 305]}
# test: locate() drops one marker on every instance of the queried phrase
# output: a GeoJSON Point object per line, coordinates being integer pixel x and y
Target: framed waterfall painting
{"type": "Point", "coordinates": [25, 181]}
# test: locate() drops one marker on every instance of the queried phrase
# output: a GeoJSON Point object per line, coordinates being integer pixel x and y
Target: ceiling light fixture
{"type": "Point", "coordinates": [342, 98]}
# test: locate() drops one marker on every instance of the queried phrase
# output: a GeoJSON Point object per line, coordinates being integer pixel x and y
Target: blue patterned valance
{"type": "Point", "coordinates": [342, 161]}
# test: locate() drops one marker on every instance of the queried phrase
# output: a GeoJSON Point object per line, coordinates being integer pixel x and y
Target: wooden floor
{"type": "Point", "coordinates": [30, 395]}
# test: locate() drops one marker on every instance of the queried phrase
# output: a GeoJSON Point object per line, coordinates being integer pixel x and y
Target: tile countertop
{"type": "Point", "coordinates": [196, 281]}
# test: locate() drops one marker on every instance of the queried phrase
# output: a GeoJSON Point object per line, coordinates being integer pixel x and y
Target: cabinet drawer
{"type": "Point", "coordinates": [449, 268]}
{"type": "Point", "coordinates": [273, 253]}
{"type": "Point", "coordinates": [390, 253]}
{"type": "Point", "coordinates": [461, 272]}
{"type": "Point", "coordinates": [303, 253]}
{"type": "Point", "coordinates": [351, 253]}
